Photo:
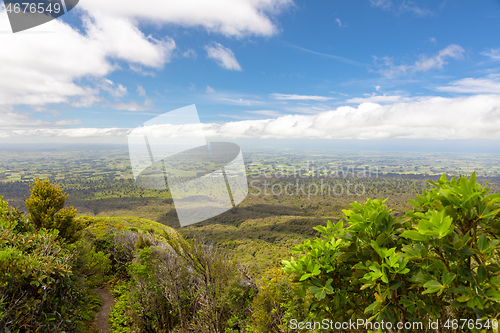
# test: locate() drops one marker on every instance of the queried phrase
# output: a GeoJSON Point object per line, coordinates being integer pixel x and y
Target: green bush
{"type": "Point", "coordinates": [38, 288]}
{"type": "Point", "coordinates": [119, 318]}
{"type": "Point", "coordinates": [276, 303]}
{"type": "Point", "coordinates": [46, 207]}
{"type": "Point", "coordinates": [95, 265]}
{"type": "Point", "coordinates": [185, 286]}
{"type": "Point", "coordinates": [439, 261]}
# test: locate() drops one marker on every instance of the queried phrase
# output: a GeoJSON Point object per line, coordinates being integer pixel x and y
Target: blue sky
{"type": "Point", "coordinates": [338, 69]}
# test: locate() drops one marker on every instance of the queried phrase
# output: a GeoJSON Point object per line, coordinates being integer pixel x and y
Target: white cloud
{"type": "Point", "coordinates": [115, 90]}
{"type": "Point", "coordinates": [411, 7]}
{"type": "Point", "coordinates": [475, 117]}
{"type": "Point", "coordinates": [132, 106]}
{"type": "Point", "coordinates": [48, 67]}
{"type": "Point", "coordinates": [67, 122]}
{"type": "Point", "coordinates": [472, 117]}
{"type": "Point", "coordinates": [11, 119]}
{"type": "Point", "coordinates": [190, 53]}
{"type": "Point", "coordinates": [229, 17]}
{"type": "Point", "coordinates": [339, 22]}
{"type": "Point", "coordinates": [121, 38]}
{"type": "Point", "coordinates": [425, 64]}
{"type": "Point", "coordinates": [86, 101]}
{"type": "Point", "coordinates": [494, 54]}
{"type": "Point", "coordinates": [67, 133]}
{"type": "Point", "coordinates": [401, 7]}
{"type": "Point", "coordinates": [453, 51]}
{"type": "Point", "coordinates": [293, 97]}
{"type": "Point", "coordinates": [210, 90]}
{"type": "Point", "coordinates": [240, 101]}
{"type": "Point", "coordinates": [223, 56]}
{"type": "Point", "coordinates": [141, 91]}
{"type": "Point", "coordinates": [488, 85]}
{"type": "Point", "coordinates": [381, 99]}
{"type": "Point", "coordinates": [268, 113]}
{"type": "Point", "coordinates": [384, 4]}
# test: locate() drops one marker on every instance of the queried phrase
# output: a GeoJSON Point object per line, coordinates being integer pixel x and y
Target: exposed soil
{"type": "Point", "coordinates": [101, 318]}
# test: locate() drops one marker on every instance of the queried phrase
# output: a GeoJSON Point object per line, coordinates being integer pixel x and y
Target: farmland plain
{"type": "Point", "coordinates": [290, 191]}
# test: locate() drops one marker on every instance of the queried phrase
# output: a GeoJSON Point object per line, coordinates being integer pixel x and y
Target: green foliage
{"type": "Point", "coordinates": [440, 261]}
{"type": "Point", "coordinates": [119, 317]}
{"type": "Point", "coordinates": [276, 303]}
{"type": "Point", "coordinates": [13, 219]}
{"type": "Point", "coordinates": [39, 290]}
{"type": "Point", "coordinates": [95, 265]}
{"type": "Point", "coordinates": [186, 286]}
{"type": "Point", "coordinates": [142, 242]}
{"type": "Point", "coordinates": [46, 207]}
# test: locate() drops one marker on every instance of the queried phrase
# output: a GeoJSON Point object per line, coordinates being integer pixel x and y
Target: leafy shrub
{"type": "Point", "coordinates": [46, 207]}
{"type": "Point", "coordinates": [13, 219]}
{"type": "Point", "coordinates": [119, 317]}
{"type": "Point", "coordinates": [276, 303]}
{"type": "Point", "coordinates": [439, 261]}
{"type": "Point", "coordinates": [38, 290]}
{"type": "Point", "coordinates": [95, 265]}
{"type": "Point", "coordinates": [184, 286]}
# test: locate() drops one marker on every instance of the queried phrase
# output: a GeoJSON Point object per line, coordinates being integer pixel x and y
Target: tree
{"type": "Point", "coordinates": [46, 207]}
{"type": "Point", "coordinates": [440, 261]}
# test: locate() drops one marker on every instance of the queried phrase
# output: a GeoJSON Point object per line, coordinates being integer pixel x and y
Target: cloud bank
{"type": "Point", "coordinates": [472, 117]}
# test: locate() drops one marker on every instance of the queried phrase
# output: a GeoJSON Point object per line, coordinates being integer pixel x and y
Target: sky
{"type": "Point", "coordinates": [352, 70]}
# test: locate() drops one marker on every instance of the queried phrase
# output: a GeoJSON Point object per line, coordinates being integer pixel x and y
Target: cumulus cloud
{"type": "Point", "coordinates": [223, 56]}
{"type": "Point", "coordinates": [425, 64]}
{"type": "Point", "coordinates": [44, 68]}
{"type": "Point", "coordinates": [30, 73]}
{"type": "Point", "coordinates": [476, 117]}
{"type": "Point", "coordinates": [293, 97]}
{"type": "Point", "coordinates": [471, 117]}
{"type": "Point", "coordinates": [229, 17]}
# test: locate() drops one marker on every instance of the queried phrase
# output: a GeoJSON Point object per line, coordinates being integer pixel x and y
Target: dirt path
{"type": "Point", "coordinates": [101, 318]}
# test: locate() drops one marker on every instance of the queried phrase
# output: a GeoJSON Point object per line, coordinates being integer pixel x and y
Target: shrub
{"type": "Point", "coordinates": [440, 261]}
{"type": "Point", "coordinates": [276, 303]}
{"type": "Point", "coordinates": [185, 286]}
{"type": "Point", "coordinates": [95, 265]}
{"type": "Point", "coordinates": [119, 317]}
{"type": "Point", "coordinates": [38, 291]}
{"type": "Point", "coordinates": [46, 207]}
